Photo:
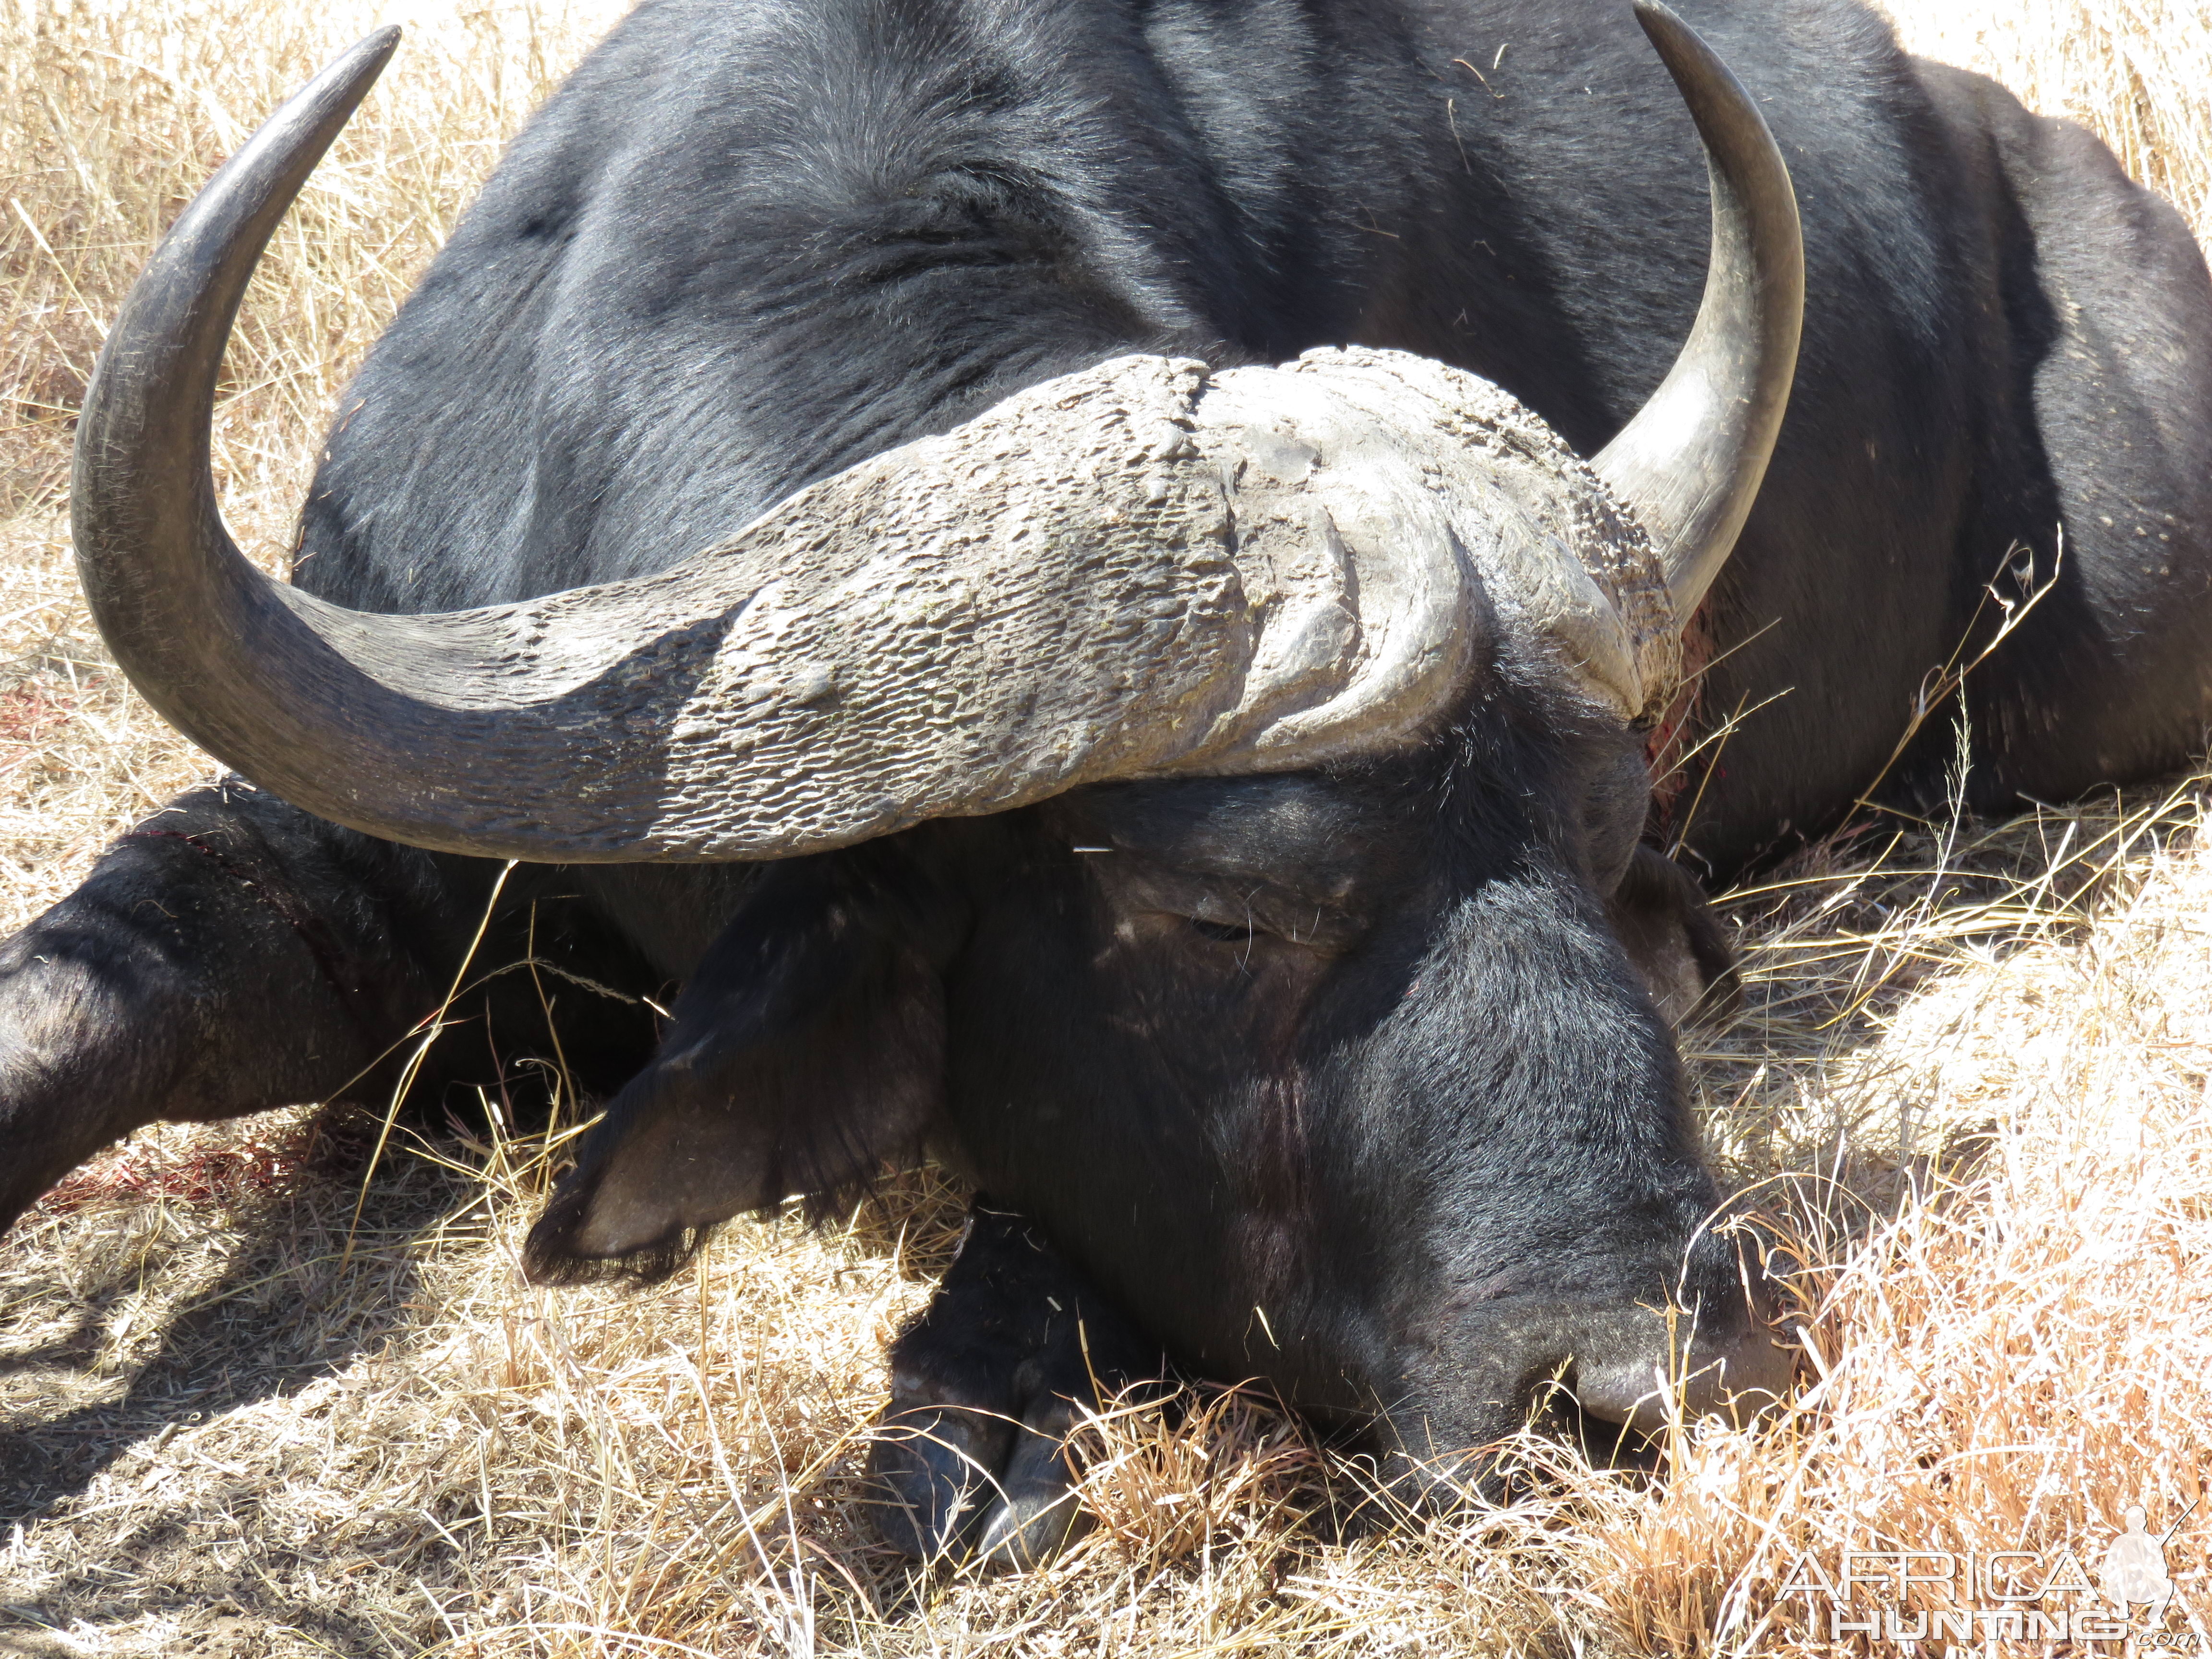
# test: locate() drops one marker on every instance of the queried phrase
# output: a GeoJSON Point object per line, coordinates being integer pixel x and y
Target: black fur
{"type": "Point", "coordinates": [1351, 1081]}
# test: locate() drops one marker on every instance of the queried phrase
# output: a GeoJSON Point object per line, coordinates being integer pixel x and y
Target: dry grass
{"type": "Point", "coordinates": [111, 116]}
{"type": "Point", "coordinates": [1972, 1079]}
{"type": "Point", "coordinates": [2134, 70]}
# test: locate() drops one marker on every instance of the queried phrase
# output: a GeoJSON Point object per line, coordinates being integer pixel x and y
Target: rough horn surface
{"type": "Point", "coordinates": [1130, 571]}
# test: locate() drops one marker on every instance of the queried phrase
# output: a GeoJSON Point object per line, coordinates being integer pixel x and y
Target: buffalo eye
{"type": "Point", "coordinates": [1226, 932]}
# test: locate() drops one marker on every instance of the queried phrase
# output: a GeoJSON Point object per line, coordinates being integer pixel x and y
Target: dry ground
{"type": "Point", "coordinates": [1972, 1079]}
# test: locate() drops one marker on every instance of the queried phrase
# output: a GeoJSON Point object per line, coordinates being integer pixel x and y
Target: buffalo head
{"type": "Point", "coordinates": [1203, 799]}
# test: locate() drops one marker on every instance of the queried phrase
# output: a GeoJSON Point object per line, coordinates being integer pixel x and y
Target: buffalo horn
{"type": "Point", "coordinates": [1141, 568]}
{"type": "Point", "coordinates": [1689, 463]}
{"type": "Point", "coordinates": [1043, 597]}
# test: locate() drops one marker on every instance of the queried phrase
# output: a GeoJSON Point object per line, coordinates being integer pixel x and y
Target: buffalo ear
{"type": "Point", "coordinates": [1677, 944]}
{"type": "Point", "coordinates": [806, 1050]}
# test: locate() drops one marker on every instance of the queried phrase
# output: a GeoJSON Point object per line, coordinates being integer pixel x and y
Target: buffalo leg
{"type": "Point", "coordinates": [986, 1386]}
{"type": "Point", "coordinates": [228, 956]}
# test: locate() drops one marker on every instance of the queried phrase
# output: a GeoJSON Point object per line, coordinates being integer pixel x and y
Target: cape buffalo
{"type": "Point", "coordinates": [1207, 802]}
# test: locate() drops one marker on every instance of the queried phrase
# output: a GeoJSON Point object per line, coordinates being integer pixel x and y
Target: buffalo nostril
{"type": "Point", "coordinates": [1737, 1379]}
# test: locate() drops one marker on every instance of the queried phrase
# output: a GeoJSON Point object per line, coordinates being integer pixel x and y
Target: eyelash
{"type": "Point", "coordinates": [1222, 932]}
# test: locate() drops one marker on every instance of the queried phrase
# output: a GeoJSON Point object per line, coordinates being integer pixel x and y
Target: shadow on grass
{"type": "Point", "coordinates": [178, 1280]}
{"type": "Point", "coordinates": [155, 1292]}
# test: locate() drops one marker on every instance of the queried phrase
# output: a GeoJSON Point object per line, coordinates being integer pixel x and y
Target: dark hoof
{"type": "Point", "coordinates": [950, 1483]}
{"type": "Point", "coordinates": [931, 1477]}
{"type": "Point", "coordinates": [970, 1459]}
{"type": "Point", "coordinates": [1034, 1513]}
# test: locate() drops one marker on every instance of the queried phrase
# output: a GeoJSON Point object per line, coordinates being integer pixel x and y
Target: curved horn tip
{"type": "Point", "coordinates": [1658, 18]}
{"type": "Point", "coordinates": [338, 87]}
{"type": "Point", "coordinates": [1689, 463]}
{"type": "Point", "coordinates": [380, 43]}
{"type": "Point", "coordinates": [157, 567]}
{"type": "Point", "coordinates": [355, 70]}
{"type": "Point", "coordinates": [1676, 42]}
{"type": "Point", "coordinates": [329, 99]}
